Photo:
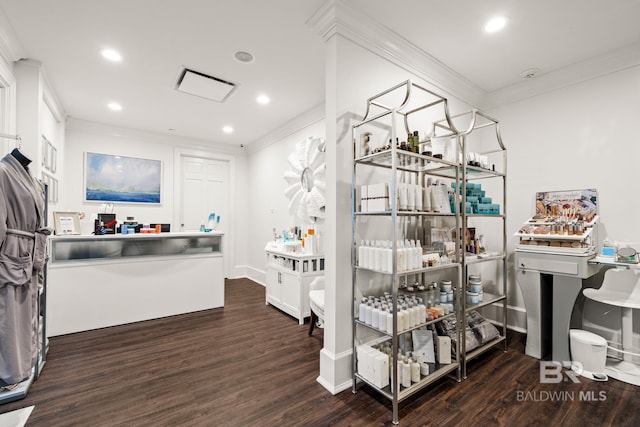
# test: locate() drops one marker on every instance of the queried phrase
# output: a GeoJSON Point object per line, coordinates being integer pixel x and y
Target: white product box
{"type": "Point", "coordinates": [378, 197]}
{"type": "Point", "coordinates": [364, 198]}
{"type": "Point", "coordinates": [365, 361]}
{"type": "Point", "coordinates": [380, 369]}
{"type": "Point", "coordinates": [444, 350]}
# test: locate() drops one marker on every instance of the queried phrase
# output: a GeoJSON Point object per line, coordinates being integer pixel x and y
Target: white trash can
{"type": "Point", "coordinates": [588, 354]}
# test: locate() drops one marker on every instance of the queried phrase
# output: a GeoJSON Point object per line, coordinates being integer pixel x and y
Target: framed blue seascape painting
{"type": "Point", "coordinates": [121, 179]}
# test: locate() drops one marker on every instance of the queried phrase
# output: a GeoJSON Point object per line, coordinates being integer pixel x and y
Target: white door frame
{"type": "Point", "coordinates": [229, 239]}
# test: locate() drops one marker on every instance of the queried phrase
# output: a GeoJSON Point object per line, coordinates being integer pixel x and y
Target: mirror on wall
{"type": "Point", "coordinates": [306, 181]}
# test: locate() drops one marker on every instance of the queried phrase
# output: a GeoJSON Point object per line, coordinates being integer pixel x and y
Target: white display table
{"type": "Point", "coordinates": [100, 281]}
{"type": "Point", "coordinates": [288, 278]}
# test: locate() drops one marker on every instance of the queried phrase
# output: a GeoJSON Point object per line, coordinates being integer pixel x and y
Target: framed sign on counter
{"type": "Point", "coordinates": [66, 222]}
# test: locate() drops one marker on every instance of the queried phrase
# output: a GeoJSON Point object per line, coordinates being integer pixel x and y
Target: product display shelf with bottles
{"type": "Point", "coordinates": [388, 243]}
{"type": "Point", "coordinates": [484, 268]}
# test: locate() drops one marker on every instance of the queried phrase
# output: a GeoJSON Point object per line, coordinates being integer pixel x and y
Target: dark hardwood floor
{"type": "Point", "coordinates": [252, 365]}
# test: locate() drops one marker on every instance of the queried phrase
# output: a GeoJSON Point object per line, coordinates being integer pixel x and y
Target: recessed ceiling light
{"type": "Point", "coordinates": [263, 99]}
{"type": "Point", "coordinates": [495, 24]}
{"type": "Point", "coordinates": [243, 56]}
{"type": "Point", "coordinates": [114, 106]}
{"type": "Point", "coordinates": [227, 129]}
{"type": "Point", "coordinates": [111, 55]}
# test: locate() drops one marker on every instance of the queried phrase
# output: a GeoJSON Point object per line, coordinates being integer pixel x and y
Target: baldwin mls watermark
{"type": "Point", "coordinates": [553, 373]}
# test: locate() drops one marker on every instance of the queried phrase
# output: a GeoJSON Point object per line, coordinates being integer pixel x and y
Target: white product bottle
{"type": "Point", "coordinates": [406, 257]}
{"type": "Point", "coordinates": [399, 256]}
{"type": "Point", "coordinates": [389, 253]}
{"type": "Point", "coordinates": [383, 256]}
{"type": "Point", "coordinates": [402, 197]}
{"type": "Point", "coordinates": [419, 196]}
{"type": "Point", "coordinates": [415, 315]}
{"type": "Point", "coordinates": [361, 254]}
{"type": "Point", "coordinates": [371, 255]}
{"type": "Point", "coordinates": [367, 313]}
{"type": "Point", "coordinates": [415, 371]}
{"type": "Point", "coordinates": [419, 254]}
{"type": "Point", "coordinates": [427, 196]}
{"type": "Point", "coordinates": [382, 319]}
{"type": "Point", "coordinates": [362, 310]}
{"type": "Point", "coordinates": [412, 255]}
{"type": "Point", "coordinates": [375, 316]}
{"type": "Point", "coordinates": [379, 255]}
{"type": "Point", "coordinates": [407, 316]}
{"type": "Point", "coordinates": [422, 310]}
{"type": "Point", "coordinates": [406, 373]}
{"type": "Point", "coordinates": [364, 261]}
{"type": "Point", "coordinates": [389, 316]}
{"type": "Point", "coordinates": [411, 197]}
{"type": "Point", "coordinates": [400, 317]}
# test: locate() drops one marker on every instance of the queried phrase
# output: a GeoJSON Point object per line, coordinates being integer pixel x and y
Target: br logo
{"type": "Point", "coordinates": [551, 372]}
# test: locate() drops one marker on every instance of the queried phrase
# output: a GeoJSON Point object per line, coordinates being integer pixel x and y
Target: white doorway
{"type": "Point", "coordinates": [206, 187]}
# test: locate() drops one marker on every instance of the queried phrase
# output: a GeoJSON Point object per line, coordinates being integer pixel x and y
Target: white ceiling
{"type": "Point", "coordinates": [566, 40]}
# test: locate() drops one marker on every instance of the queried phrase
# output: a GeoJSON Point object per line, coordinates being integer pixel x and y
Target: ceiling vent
{"type": "Point", "coordinates": [204, 86]}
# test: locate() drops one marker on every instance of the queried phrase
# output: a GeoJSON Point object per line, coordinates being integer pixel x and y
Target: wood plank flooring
{"type": "Point", "coordinates": [251, 365]}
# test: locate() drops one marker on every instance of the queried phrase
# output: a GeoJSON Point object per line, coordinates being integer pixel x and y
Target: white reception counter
{"type": "Point", "coordinates": [100, 281]}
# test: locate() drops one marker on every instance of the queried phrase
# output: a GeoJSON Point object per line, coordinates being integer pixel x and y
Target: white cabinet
{"type": "Point", "coordinates": [288, 278]}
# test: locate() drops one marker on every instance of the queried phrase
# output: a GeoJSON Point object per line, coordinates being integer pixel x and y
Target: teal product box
{"type": "Point", "coordinates": [473, 186]}
{"type": "Point", "coordinates": [468, 208]}
{"type": "Point", "coordinates": [473, 199]}
{"type": "Point", "coordinates": [475, 192]}
{"type": "Point", "coordinates": [488, 209]}
{"type": "Point", "coordinates": [486, 200]}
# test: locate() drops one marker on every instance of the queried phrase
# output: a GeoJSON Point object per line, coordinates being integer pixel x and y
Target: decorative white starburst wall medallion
{"type": "Point", "coordinates": [306, 179]}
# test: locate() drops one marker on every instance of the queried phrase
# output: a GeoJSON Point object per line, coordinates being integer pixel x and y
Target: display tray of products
{"type": "Point", "coordinates": [563, 223]}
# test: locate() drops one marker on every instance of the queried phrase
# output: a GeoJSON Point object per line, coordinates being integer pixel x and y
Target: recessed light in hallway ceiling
{"type": "Point", "coordinates": [495, 24]}
{"type": "Point", "coordinates": [227, 129]}
{"type": "Point", "coordinates": [263, 99]}
{"type": "Point", "coordinates": [111, 55]}
{"type": "Point", "coordinates": [114, 106]}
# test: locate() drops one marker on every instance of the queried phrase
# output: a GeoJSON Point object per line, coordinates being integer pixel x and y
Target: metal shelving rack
{"type": "Point", "coordinates": [402, 225]}
{"type": "Point", "coordinates": [493, 148]}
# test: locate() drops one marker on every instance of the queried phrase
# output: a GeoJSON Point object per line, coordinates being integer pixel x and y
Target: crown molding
{"type": "Point", "coordinates": [302, 121]}
{"type": "Point", "coordinates": [340, 17]}
{"type": "Point", "coordinates": [10, 48]}
{"type": "Point", "coordinates": [112, 131]}
{"type": "Point", "coordinates": [573, 74]}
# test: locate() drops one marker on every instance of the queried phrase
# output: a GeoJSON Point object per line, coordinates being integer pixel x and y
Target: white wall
{"type": "Point", "coordinates": [84, 137]}
{"type": "Point", "coordinates": [267, 204]}
{"type": "Point", "coordinates": [582, 136]}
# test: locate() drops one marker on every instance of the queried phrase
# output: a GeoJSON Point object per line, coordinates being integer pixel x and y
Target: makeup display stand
{"type": "Point", "coordinates": [551, 277]}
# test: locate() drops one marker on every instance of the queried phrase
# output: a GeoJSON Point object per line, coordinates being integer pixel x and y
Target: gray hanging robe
{"type": "Point", "coordinates": [22, 255]}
